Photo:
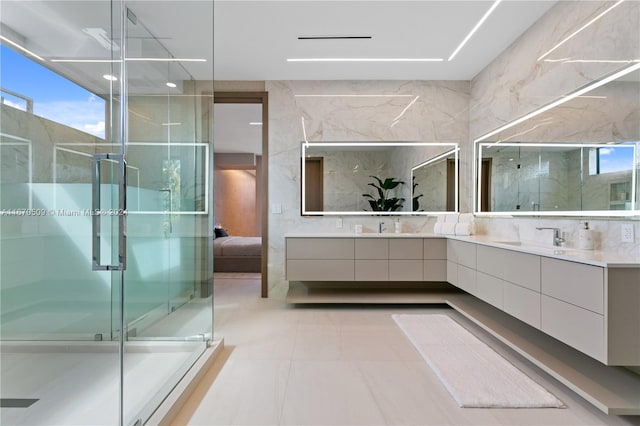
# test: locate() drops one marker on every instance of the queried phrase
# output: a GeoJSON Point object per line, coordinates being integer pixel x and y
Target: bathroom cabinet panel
{"type": "Point", "coordinates": [519, 268]}
{"type": "Point", "coordinates": [372, 248]}
{"type": "Point", "coordinates": [467, 279]}
{"type": "Point", "coordinates": [435, 248]}
{"type": "Point", "coordinates": [320, 248]}
{"type": "Point", "coordinates": [405, 248]}
{"type": "Point", "coordinates": [623, 316]}
{"type": "Point", "coordinates": [320, 270]}
{"type": "Point", "coordinates": [462, 253]}
{"type": "Point", "coordinates": [575, 283]}
{"type": "Point", "coordinates": [521, 303]}
{"type": "Point", "coordinates": [489, 289]}
{"type": "Point", "coordinates": [435, 270]}
{"type": "Point", "coordinates": [452, 273]}
{"type": "Point", "coordinates": [577, 327]}
{"type": "Point", "coordinates": [371, 270]}
{"type": "Point", "coordinates": [406, 270]}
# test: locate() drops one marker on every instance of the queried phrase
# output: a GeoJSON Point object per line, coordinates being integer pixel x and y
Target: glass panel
{"type": "Point", "coordinates": [56, 311]}
{"type": "Point", "coordinates": [168, 305]}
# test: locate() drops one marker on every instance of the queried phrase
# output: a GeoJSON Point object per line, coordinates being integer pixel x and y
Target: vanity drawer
{"type": "Point", "coordinates": [372, 248]}
{"type": "Point", "coordinates": [320, 248]}
{"type": "Point", "coordinates": [522, 303]}
{"type": "Point", "coordinates": [405, 270]}
{"type": "Point", "coordinates": [452, 272]}
{"type": "Point", "coordinates": [577, 327]}
{"type": "Point", "coordinates": [519, 268]}
{"type": "Point", "coordinates": [467, 279]}
{"type": "Point", "coordinates": [372, 270]}
{"type": "Point", "coordinates": [576, 283]}
{"type": "Point", "coordinates": [489, 289]}
{"type": "Point", "coordinates": [462, 253]}
{"type": "Point", "coordinates": [320, 270]}
{"type": "Point", "coordinates": [435, 270]}
{"type": "Point", "coordinates": [434, 248]}
{"type": "Point", "coordinates": [405, 248]}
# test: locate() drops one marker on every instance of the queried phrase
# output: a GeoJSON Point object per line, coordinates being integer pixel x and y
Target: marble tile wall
{"type": "Point", "coordinates": [350, 111]}
{"type": "Point", "coordinates": [519, 80]}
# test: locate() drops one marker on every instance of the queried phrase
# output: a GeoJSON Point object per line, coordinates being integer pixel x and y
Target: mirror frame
{"type": "Point", "coordinates": [306, 144]}
{"type": "Point", "coordinates": [634, 213]}
{"type": "Point", "coordinates": [596, 213]}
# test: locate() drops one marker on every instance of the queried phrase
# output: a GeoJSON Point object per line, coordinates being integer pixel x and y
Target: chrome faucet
{"type": "Point", "coordinates": [380, 227]}
{"type": "Point", "coordinates": [557, 235]}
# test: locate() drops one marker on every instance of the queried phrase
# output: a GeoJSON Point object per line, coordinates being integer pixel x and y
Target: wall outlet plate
{"type": "Point", "coordinates": [627, 233]}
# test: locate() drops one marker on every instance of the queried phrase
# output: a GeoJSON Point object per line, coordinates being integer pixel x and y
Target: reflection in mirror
{"type": "Point", "coordinates": [547, 178]}
{"type": "Point", "coordinates": [577, 156]}
{"type": "Point", "coordinates": [372, 178]}
{"type": "Point", "coordinates": [435, 184]}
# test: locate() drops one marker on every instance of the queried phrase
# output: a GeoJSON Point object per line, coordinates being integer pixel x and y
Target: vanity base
{"type": "Point", "coordinates": [614, 390]}
{"type": "Point", "coordinates": [437, 293]}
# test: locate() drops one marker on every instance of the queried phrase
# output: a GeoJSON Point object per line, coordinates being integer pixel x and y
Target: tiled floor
{"type": "Point", "coordinates": [342, 365]}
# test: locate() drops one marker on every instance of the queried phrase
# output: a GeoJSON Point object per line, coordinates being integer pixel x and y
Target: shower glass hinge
{"type": "Point", "coordinates": [97, 337]}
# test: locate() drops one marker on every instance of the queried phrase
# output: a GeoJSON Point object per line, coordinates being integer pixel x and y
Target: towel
{"type": "Point", "coordinates": [448, 228]}
{"type": "Point", "coordinates": [441, 217]}
{"type": "Point", "coordinates": [464, 228]}
{"type": "Point", "coordinates": [437, 228]}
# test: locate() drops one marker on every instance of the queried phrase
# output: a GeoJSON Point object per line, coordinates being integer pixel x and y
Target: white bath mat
{"type": "Point", "coordinates": [473, 373]}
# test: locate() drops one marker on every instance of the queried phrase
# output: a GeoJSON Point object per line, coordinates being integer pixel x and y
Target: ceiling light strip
{"type": "Point", "coordinates": [335, 37]}
{"type": "Point", "coordinates": [480, 22]}
{"type": "Point", "coordinates": [365, 59]}
{"type": "Point", "coordinates": [579, 30]}
{"type": "Point", "coordinates": [129, 59]}
{"type": "Point", "coordinates": [25, 50]}
{"type": "Point", "coordinates": [562, 100]}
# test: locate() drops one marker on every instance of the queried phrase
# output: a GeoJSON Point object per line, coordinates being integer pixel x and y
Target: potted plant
{"type": "Point", "coordinates": [384, 202]}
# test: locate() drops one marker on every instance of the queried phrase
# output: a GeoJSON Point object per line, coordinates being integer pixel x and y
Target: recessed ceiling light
{"type": "Point", "coordinates": [480, 22]}
{"type": "Point", "coordinates": [170, 84]}
{"type": "Point", "coordinates": [110, 77]}
{"type": "Point", "coordinates": [255, 123]}
{"type": "Point", "coordinates": [334, 37]}
{"type": "Point", "coordinates": [365, 59]}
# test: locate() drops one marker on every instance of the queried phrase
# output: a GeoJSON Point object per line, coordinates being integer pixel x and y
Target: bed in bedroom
{"type": "Point", "coordinates": [237, 254]}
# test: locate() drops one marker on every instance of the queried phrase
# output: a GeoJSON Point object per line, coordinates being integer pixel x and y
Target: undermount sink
{"type": "Point", "coordinates": [511, 243]}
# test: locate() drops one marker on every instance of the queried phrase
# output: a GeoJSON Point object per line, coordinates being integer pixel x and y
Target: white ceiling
{"type": "Point", "coordinates": [253, 39]}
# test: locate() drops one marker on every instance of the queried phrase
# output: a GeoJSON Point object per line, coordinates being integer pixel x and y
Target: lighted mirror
{"type": "Point", "coordinates": [377, 178]}
{"type": "Point", "coordinates": [577, 156]}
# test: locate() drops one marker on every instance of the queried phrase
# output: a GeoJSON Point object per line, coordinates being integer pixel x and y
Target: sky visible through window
{"type": "Point", "coordinates": [54, 97]}
{"type": "Point", "coordinates": [616, 159]}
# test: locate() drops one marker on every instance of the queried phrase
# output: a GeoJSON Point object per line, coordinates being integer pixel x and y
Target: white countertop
{"type": "Point", "coordinates": [590, 257]}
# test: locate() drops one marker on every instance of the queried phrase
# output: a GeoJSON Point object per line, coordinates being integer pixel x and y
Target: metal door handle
{"type": "Point", "coordinates": [96, 212]}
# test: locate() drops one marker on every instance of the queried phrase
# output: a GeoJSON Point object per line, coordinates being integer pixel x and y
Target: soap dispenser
{"type": "Point", "coordinates": [585, 238]}
{"type": "Point", "coordinates": [398, 226]}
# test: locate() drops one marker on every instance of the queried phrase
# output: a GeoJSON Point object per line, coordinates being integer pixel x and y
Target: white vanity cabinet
{"type": "Point", "coordinates": [320, 259]}
{"type": "Point", "coordinates": [510, 280]}
{"type": "Point", "coordinates": [573, 301]}
{"type": "Point", "coordinates": [461, 265]}
{"type": "Point", "coordinates": [397, 259]}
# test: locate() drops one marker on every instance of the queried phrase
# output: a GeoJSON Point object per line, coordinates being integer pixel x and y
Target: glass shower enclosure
{"type": "Point", "coordinates": [105, 212]}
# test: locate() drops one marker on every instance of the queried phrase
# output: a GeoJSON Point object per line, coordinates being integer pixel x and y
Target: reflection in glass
{"type": "Point", "coordinates": [434, 184]}
{"type": "Point", "coordinates": [350, 178]}
{"type": "Point", "coordinates": [525, 177]}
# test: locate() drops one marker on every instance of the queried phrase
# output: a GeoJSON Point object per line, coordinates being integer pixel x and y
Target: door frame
{"type": "Point", "coordinates": [263, 99]}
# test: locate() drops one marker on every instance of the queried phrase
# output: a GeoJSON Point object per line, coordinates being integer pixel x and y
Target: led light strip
{"type": "Point", "coordinates": [16, 45]}
{"type": "Point", "coordinates": [480, 22]}
{"type": "Point", "coordinates": [365, 59]}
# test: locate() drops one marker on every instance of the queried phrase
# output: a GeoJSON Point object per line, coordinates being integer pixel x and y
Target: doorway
{"type": "Point", "coordinates": [261, 167]}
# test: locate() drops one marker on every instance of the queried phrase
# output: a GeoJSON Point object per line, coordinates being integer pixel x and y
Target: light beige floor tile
{"type": "Point", "coordinates": [329, 393]}
{"type": "Point", "coordinates": [245, 392]}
